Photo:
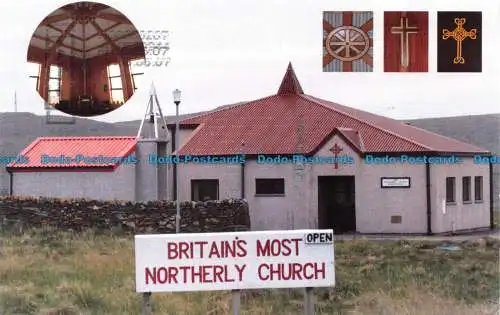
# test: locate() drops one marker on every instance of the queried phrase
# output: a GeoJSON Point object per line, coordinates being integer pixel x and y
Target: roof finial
{"type": "Point", "coordinates": [290, 84]}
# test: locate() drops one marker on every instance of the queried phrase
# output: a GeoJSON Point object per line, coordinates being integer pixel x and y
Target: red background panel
{"type": "Point", "coordinates": [418, 43]}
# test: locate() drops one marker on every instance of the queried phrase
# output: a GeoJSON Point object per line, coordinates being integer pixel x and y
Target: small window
{"type": "Point", "coordinates": [115, 83]}
{"type": "Point", "coordinates": [466, 189]}
{"type": "Point", "coordinates": [450, 189]}
{"type": "Point", "coordinates": [137, 72]}
{"type": "Point", "coordinates": [478, 188]}
{"type": "Point", "coordinates": [55, 81]}
{"type": "Point", "coordinates": [34, 73]}
{"type": "Point", "coordinates": [204, 189]}
{"type": "Point", "coordinates": [269, 186]}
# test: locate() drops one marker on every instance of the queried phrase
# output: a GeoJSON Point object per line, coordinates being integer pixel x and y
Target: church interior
{"type": "Point", "coordinates": [86, 59]}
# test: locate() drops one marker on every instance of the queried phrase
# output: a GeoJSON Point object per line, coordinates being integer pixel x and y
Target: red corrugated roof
{"type": "Point", "coordinates": [268, 126]}
{"type": "Point", "coordinates": [71, 147]}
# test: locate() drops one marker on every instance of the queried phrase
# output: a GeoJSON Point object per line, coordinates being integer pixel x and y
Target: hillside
{"type": "Point", "coordinates": [480, 130]}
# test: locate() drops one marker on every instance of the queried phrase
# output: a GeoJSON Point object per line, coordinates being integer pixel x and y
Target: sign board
{"type": "Point", "coordinates": [234, 261]}
{"type": "Point", "coordinates": [395, 182]}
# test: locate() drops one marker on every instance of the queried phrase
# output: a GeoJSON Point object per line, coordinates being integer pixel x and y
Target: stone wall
{"type": "Point", "coordinates": [131, 217]}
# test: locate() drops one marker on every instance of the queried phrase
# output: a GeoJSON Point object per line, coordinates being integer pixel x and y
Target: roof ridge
{"type": "Point", "coordinates": [86, 137]}
{"type": "Point", "coordinates": [317, 101]}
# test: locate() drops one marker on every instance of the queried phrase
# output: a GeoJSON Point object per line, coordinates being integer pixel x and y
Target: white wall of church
{"type": "Point", "coordinates": [376, 205]}
{"type": "Point", "coordinates": [459, 215]}
{"type": "Point", "coordinates": [229, 177]}
{"type": "Point", "coordinates": [119, 184]}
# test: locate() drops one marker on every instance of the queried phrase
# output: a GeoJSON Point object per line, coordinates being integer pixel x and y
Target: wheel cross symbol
{"type": "Point", "coordinates": [347, 43]}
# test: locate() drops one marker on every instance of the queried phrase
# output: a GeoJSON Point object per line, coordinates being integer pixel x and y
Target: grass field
{"type": "Point", "coordinates": [63, 274]}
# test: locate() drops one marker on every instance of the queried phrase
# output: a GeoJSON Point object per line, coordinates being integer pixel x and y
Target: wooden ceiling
{"type": "Point", "coordinates": [85, 30]}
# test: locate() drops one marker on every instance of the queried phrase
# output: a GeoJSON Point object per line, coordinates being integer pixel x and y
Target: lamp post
{"type": "Point", "coordinates": [177, 100]}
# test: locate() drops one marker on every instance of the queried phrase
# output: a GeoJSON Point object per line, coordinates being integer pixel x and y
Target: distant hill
{"type": "Point", "coordinates": [17, 130]}
{"type": "Point", "coordinates": [480, 130]}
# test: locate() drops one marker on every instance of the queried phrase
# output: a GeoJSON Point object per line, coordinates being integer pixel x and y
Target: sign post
{"type": "Point", "coordinates": [235, 261]}
{"type": "Point", "coordinates": [236, 301]}
{"type": "Point", "coordinates": [146, 303]}
{"type": "Point", "coordinates": [308, 301]}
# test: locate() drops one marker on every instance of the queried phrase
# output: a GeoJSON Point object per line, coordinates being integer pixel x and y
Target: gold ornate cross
{"type": "Point", "coordinates": [459, 34]}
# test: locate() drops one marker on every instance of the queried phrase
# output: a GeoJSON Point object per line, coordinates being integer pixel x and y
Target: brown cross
{"type": "Point", "coordinates": [404, 31]}
{"type": "Point", "coordinates": [459, 34]}
{"type": "Point", "coordinates": [336, 149]}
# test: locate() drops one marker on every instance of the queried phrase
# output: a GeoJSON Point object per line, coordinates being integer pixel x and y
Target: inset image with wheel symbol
{"type": "Point", "coordinates": [347, 48]}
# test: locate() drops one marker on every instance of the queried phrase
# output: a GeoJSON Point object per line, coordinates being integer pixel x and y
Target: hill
{"type": "Point", "coordinates": [480, 130]}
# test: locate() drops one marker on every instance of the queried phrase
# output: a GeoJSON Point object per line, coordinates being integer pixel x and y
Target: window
{"type": "Point", "coordinates": [137, 73]}
{"type": "Point", "coordinates": [55, 76]}
{"type": "Point", "coordinates": [34, 73]}
{"type": "Point", "coordinates": [204, 189]}
{"type": "Point", "coordinates": [115, 83]}
{"type": "Point", "coordinates": [466, 189]}
{"type": "Point", "coordinates": [450, 189]}
{"type": "Point", "coordinates": [478, 188]}
{"type": "Point", "coordinates": [269, 186]}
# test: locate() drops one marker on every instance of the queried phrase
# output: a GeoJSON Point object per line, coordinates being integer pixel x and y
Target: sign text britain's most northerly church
{"type": "Point", "coordinates": [308, 163]}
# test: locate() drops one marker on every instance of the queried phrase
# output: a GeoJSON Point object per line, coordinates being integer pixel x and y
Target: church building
{"type": "Point", "coordinates": [300, 162]}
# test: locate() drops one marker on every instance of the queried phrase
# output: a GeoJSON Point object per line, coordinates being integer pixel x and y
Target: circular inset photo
{"type": "Point", "coordinates": [86, 58]}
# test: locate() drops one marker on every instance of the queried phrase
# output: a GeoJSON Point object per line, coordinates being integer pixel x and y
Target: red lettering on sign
{"type": "Point", "coordinates": [150, 275]}
{"type": "Point", "coordinates": [214, 251]}
{"type": "Point", "coordinates": [278, 247]}
{"type": "Point", "coordinates": [218, 272]}
{"type": "Point", "coordinates": [184, 250]}
{"type": "Point", "coordinates": [201, 246]}
{"type": "Point", "coordinates": [240, 270]}
{"type": "Point", "coordinates": [292, 271]}
{"type": "Point", "coordinates": [172, 250]}
{"type": "Point", "coordinates": [194, 274]}
{"type": "Point", "coordinates": [201, 249]}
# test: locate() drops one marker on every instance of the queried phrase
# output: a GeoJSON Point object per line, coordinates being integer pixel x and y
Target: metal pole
{"type": "Point", "coordinates": [236, 302]}
{"type": "Point", "coordinates": [177, 146]}
{"type": "Point", "coordinates": [308, 302]}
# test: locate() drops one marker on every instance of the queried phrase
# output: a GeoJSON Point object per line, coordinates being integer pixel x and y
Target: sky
{"type": "Point", "coordinates": [226, 51]}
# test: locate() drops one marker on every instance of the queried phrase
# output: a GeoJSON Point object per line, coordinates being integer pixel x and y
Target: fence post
{"type": "Point", "coordinates": [309, 302]}
{"type": "Point", "coordinates": [146, 304]}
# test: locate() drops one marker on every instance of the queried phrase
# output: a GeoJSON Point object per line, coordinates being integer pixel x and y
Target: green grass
{"type": "Point", "coordinates": [55, 273]}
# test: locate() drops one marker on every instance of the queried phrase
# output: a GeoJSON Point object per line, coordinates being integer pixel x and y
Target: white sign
{"type": "Point", "coordinates": [232, 261]}
{"type": "Point", "coordinates": [398, 182]}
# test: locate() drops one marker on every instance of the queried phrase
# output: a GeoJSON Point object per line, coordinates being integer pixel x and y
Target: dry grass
{"type": "Point", "coordinates": [50, 273]}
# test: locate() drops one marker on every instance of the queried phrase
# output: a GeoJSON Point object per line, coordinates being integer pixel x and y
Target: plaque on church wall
{"type": "Point", "coordinates": [348, 41]}
{"type": "Point", "coordinates": [459, 42]}
{"type": "Point", "coordinates": [395, 182]}
{"type": "Point", "coordinates": [406, 41]}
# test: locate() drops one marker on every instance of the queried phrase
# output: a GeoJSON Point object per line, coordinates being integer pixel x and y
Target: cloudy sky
{"type": "Point", "coordinates": [227, 51]}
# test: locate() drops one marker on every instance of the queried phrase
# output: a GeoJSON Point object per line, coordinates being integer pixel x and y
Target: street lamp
{"type": "Point", "coordinates": [177, 100]}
